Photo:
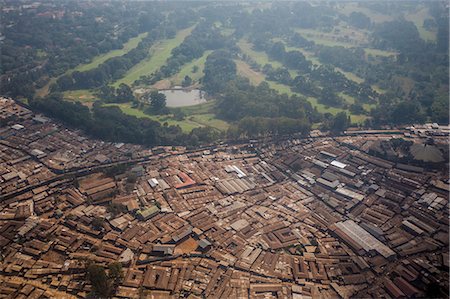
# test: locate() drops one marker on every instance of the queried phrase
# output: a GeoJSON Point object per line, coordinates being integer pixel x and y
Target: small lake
{"type": "Point", "coordinates": [181, 98]}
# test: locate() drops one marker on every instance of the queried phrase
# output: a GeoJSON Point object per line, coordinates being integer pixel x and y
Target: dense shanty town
{"type": "Point", "coordinates": [314, 217]}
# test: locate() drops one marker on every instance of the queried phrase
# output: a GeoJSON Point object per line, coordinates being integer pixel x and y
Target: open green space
{"type": "Point", "coordinates": [209, 120]}
{"type": "Point", "coordinates": [185, 125]}
{"type": "Point", "coordinates": [255, 77]}
{"type": "Point", "coordinates": [378, 52]}
{"type": "Point", "coordinates": [196, 116]}
{"type": "Point", "coordinates": [348, 7]}
{"type": "Point", "coordinates": [187, 70]}
{"type": "Point", "coordinates": [97, 60]}
{"type": "Point", "coordinates": [260, 58]}
{"type": "Point", "coordinates": [158, 55]}
{"type": "Point", "coordinates": [417, 18]}
{"type": "Point", "coordinates": [244, 70]}
{"type": "Point", "coordinates": [81, 95]}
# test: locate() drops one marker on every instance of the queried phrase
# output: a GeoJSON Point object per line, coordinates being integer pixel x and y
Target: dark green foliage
{"type": "Point", "coordinates": [260, 126]}
{"type": "Point", "coordinates": [157, 101]}
{"type": "Point", "coordinates": [187, 81]}
{"type": "Point", "coordinates": [440, 110]}
{"type": "Point", "coordinates": [116, 209]}
{"type": "Point", "coordinates": [97, 277]}
{"type": "Point", "coordinates": [359, 20]}
{"type": "Point", "coordinates": [219, 70]}
{"type": "Point", "coordinates": [123, 94]}
{"type": "Point", "coordinates": [115, 170]}
{"type": "Point", "coordinates": [104, 284]}
{"type": "Point", "coordinates": [337, 123]}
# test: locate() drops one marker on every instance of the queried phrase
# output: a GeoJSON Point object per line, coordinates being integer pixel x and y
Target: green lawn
{"type": "Point", "coordinates": [348, 7]}
{"type": "Point", "coordinates": [244, 70]}
{"type": "Point", "coordinates": [186, 70]}
{"type": "Point", "coordinates": [209, 120]}
{"type": "Point", "coordinates": [97, 60]}
{"type": "Point", "coordinates": [186, 125]}
{"type": "Point", "coordinates": [203, 108]}
{"type": "Point", "coordinates": [81, 95]}
{"type": "Point", "coordinates": [323, 38]}
{"type": "Point", "coordinates": [417, 18]}
{"type": "Point", "coordinates": [260, 58]}
{"type": "Point", "coordinates": [377, 52]}
{"type": "Point", "coordinates": [196, 116]}
{"type": "Point", "coordinates": [158, 55]}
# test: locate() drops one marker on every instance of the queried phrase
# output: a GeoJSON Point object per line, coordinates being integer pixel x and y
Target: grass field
{"type": "Point", "coordinates": [417, 18]}
{"type": "Point", "coordinates": [96, 61]}
{"type": "Point", "coordinates": [186, 70]}
{"type": "Point", "coordinates": [244, 70]}
{"type": "Point", "coordinates": [326, 39]}
{"type": "Point", "coordinates": [185, 125]}
{"type": "Point", "coordinates": [81, 95]}
{"type": "Point", "coordinates": [158, 55]}
{"type": "Point", "coordinates": [196, 116]}
{"type": "Point", "coordinates": [377, 52]}
{"type": "Point", "coordinates": [260, 58]}
{"type": "Point", "coordinates": [348, 7]}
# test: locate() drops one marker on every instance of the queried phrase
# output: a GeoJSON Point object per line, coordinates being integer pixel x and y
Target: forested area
{"type": "Point", "coordinates": [111, 124]}
{"type": "Point", "coordinates": [307, 64]}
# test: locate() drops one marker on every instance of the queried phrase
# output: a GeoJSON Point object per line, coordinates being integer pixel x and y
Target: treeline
{"type": "Point", "coordinates": [112, 69]}
{"type": "Point", "coordinates": [55, 37]}
{"type": "Point", "coordinates": [255, 110]}
{"type": "Point", "coordinates": [260, 126]}
{"type": "Point", "coordinates": [111, 124]}
{"type": "Point", "coordinates": [322, 82]}
{"type": "Point", "coordinates": [204, 37]}
{"type": "Point", "coordinates": [47, 41]}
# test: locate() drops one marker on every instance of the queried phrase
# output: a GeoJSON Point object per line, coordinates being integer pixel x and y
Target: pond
{"type": "Point", "coordinates": [181, 97]}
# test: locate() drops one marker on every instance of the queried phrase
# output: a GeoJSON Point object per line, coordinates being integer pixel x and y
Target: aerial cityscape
{"type": "Point", "coordinates": [224, 149]}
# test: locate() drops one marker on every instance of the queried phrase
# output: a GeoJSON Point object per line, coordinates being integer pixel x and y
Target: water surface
{"type": "Point", "coordinates": [181, 98]}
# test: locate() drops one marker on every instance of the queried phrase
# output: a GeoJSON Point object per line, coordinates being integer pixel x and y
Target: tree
{"type": "Point", "coordinates": [124, 93]}
{"type": "Point", "coordinates": [99, 280]}
{"type": "Point", "coordinates": [340, 122]}
{"type": "Point", "coordinates": [115, 273]}
{"type": "Point", "coordinates": [157, 101]}
{"type": "Point", "coordinates": [187, 81]}
{"type": "Point", "coordinates": [440, 110]}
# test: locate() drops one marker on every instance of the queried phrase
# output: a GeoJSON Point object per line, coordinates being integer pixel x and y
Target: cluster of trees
{"type": "Point", "coordinates": [322, 82]}
{"type": "Point", "coordinates": [37, 45]}
{"type": "Point", "coordinates": [204, 37]}
{"type": "Point", "coordinates": [157, 102]}
{"type": "Point", "coordinates": [112, 69]}
{"type": "Point", "coordinates": [337, 123]}
{"type": "Point", "coordinates": [122, 94]}
{"type": "Point", "coordinates": [251, 127]}
{"type": "Point", "coordinates": [241, 99]}
{"type": "Point", "coordinates": [111, 124]}
{"type": "Point", "coordinates": [104, 283]}
{"type": "Point", "coordinates": [219, 70]}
